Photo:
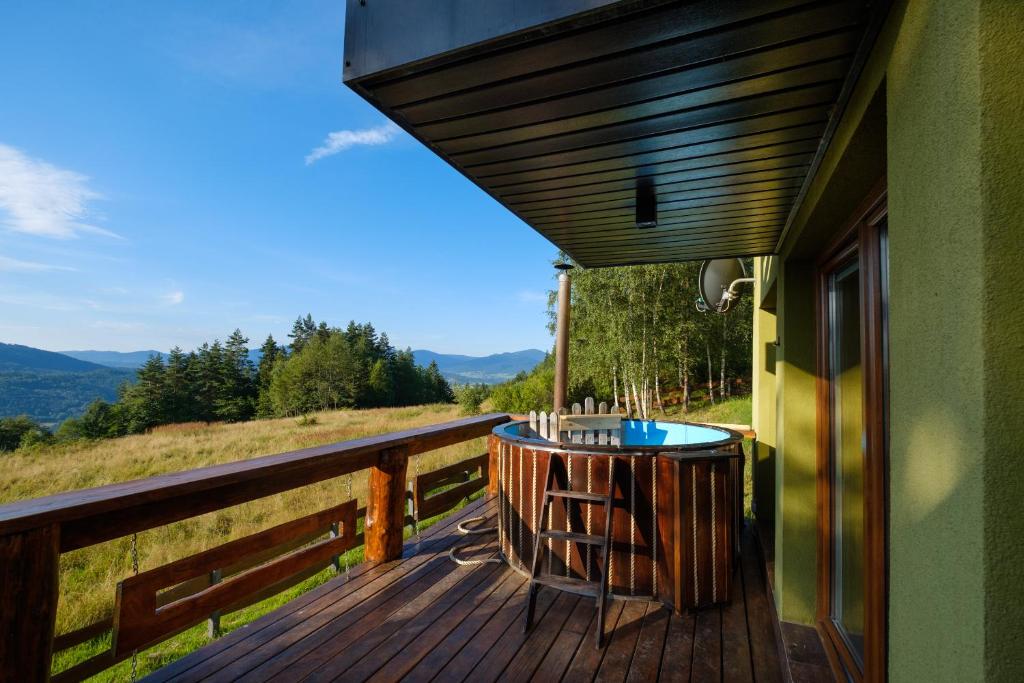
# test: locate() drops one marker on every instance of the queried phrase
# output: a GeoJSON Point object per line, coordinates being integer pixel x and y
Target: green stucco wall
{"type": "Point", "coordinates": [954, 102]}
{"type": "Point", "coordinates": [795, 470]}
{"type": "Point", "coordinates": [763, 398]}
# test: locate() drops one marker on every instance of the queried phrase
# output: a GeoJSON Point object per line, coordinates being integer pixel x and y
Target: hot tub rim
{"type": "Point", "coordinates": [706, 448]}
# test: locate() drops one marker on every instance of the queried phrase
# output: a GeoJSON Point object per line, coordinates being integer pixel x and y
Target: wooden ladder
{"type": "Point", "coordinates": [556, 474]}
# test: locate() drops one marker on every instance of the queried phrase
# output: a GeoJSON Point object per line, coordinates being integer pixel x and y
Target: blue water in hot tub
{"type": "Point", "coordinates": [655, 433]}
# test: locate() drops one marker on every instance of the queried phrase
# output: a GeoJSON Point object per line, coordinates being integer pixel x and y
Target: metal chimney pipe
{"type": "Point", "coordinates": [562, 337]}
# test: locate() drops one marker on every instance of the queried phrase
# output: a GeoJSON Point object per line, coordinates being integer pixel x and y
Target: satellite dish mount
{"type": "Point", "coordinates": [719, 284]}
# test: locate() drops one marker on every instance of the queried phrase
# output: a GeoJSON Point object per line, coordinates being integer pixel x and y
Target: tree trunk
{"type": "Point", "coordinates": [625, 393]}
{"type": "Point", "coordinates": [711, 374]}
{"type": "Point", "coordinates": [657, 392]}
{"type": "Point", "coordinates": [615, 389]}
{"type": "Point", "coordinates": [636, 400]}
{"type": "Point", "coordinates": [721, 380]}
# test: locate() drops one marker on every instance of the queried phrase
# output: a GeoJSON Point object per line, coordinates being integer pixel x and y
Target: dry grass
{"type": "Point", "coordinates": [89, 576]}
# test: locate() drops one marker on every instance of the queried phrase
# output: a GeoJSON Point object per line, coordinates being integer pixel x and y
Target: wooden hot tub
{"type": "Point", "coordinates": [677, 515]}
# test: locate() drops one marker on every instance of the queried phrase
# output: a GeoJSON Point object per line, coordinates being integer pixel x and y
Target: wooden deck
{"type": "Point", "coordinates": [425, 618]}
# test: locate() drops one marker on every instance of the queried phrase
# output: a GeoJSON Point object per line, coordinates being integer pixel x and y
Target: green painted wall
{"type": "Point", "coordinates": [764, 410]}
{"type": "Point", "coordinates": [795, 466]}
{"type": "Point", "coordinates": [957, 341]}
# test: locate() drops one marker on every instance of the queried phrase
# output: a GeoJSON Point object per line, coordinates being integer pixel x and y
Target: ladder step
{"type": "Point", "coordinates": [575, 537]}
{"type": "Point", "coordinates": [579, 495]}
{"type": "Point", "coordinates": [569, 584]}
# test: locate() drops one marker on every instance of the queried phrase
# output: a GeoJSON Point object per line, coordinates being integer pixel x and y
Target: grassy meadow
{"type": "Point", "coordinates": [89, 576]}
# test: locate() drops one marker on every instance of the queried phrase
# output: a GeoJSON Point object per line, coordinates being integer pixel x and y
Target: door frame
{"type": "Point", "coordinates": [860, 236]}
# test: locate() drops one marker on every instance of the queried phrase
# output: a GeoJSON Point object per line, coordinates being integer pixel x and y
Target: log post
{"type": "Point", "coordinates": [562, 337]}
{"type": "Point", "coordinates": [29, 565]}
{"type": "Point", "coordinates": [385, 507]}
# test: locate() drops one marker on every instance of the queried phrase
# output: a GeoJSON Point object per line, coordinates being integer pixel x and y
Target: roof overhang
{"type": "Point", "coordinates": [567, 112]}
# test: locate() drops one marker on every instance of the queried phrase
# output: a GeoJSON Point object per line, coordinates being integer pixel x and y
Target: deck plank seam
{"type": "Point", "coordinates": [386, 597]}
{"type": "Point", "coordinates": [383, 575]}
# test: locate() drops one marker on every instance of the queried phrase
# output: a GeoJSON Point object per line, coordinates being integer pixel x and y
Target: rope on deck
{"type": "Point", "coordinates": [471, 532]}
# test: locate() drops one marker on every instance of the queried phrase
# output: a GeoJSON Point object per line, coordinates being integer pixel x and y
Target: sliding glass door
{"type": "Point", "coordinates": [852, 421]}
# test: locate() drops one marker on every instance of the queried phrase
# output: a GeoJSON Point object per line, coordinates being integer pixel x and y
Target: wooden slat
{"type": "Point", "coordinates": [676, 658]}
{"type": "Point", "coordinates": [100, 514]}
{"type": "Point", "coordinates": [138, 621]}
{"type": "Point", "coordinates": [409, 654]}
{"type": "Point", "coordinates": [617, 103]}
{"type": "Point", "coordinates": [242, 650]}
{"type": "Point", "coordinates": [342, 629]}
{"type": "Point", "coordinates": [439, 477]}
{"type": "Point", "coordinates": [707, 646]}
{"type": "Point", "coordinates": [761, 624]}
{"type": "Point", "coordinates": [506, 599]}
{"type": "Point", "coordinates": [587, 659]}
{"type": "Point", "coordinates": [631, 65]}
{"type": "Point", "coordinates": [761, 150]}
{"type": "Point", "coordinates": [446, 500]}
{"type": "Point", "coordinates": [563, 51]}
{"type": "Point", "coordinates": [347, 651]}
{"type": "Point", "coordinates": [620, 649]}
{"type": "Point", "coordinates": [81, 635]}
{"type": "Point", "coordinates": [500, 632]}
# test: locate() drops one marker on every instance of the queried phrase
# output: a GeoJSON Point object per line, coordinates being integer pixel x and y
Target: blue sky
{"type": "Point", "coordinates": [161, 184]}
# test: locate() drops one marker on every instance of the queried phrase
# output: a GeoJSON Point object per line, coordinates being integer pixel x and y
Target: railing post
{"type": "Point", "coordinates": [385, 507]}
{"type": "Point", "coordinates": [29, 565]}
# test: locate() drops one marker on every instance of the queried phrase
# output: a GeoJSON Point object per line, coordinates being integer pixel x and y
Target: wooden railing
{"type": "Point", "coordinates": [156, 604]}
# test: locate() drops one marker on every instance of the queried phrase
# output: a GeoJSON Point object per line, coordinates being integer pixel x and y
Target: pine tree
{"type": "Point", "coordinates": [302, 332]}
{"type": "Point", "coordinates": [270, 353]}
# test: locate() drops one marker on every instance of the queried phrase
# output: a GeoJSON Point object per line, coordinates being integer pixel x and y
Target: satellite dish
{"type": "Point", "coordinates": [718, 283]}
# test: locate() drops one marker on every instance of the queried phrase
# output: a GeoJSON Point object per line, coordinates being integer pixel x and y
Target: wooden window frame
{"type": "Point", "coordinates": [860, 237]}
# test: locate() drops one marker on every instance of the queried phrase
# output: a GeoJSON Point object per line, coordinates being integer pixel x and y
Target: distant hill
{"type": "Point", "coordinates": [493, 369]}
{"type": "Point", "coordinates": [51, 387]}
{"type": "Point", "coordinates": [15, 357]}
{"type": "Point", "coordinates": [115, 359]}
{"type": "Point", "coordinates": [131, 359]}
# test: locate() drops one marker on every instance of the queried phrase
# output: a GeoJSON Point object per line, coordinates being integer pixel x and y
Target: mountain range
{"type": "Point", "coordinates": [50, 387]}
{"type": "Point", "coordinates": [492, 369]}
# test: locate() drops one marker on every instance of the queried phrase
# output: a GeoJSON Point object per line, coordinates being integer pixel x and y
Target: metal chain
{"type": "Point", "coordinates": [415, 507]}
{"type": "Point", "coordinates": [348, 496]}
{"type": "Point", "coordinates": [135, 571]}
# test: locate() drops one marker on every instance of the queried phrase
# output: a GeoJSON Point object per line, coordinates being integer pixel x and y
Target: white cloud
{"type": "Point", "coordinates": [174, 298]}
{"type": "Point", "coordinates": [14, 265]}
{"type": "Point", "coordinates": [527, 296]}
{"type": "Point", "coordinates": [42, 199]}
{"type": "Point", "coordinates": [340, 140]}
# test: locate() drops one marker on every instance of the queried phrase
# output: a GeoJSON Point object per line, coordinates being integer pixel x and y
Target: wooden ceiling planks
{"type": "Point", "coordinates": [722, 106]}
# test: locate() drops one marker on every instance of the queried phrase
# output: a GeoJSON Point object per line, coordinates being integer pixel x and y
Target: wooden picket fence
{"type": "Point", "coordinates": [583, 425]}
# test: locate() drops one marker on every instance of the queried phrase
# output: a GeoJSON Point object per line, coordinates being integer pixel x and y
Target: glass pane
{"type": "Point", "coordinates": [847, 456]}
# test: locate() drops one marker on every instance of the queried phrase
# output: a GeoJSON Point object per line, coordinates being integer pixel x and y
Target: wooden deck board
{"type": "Point", "coordinates": [424, 618]}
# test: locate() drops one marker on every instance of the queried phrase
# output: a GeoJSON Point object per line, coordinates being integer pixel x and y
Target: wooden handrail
{"type": "Point", "coordinates": [92, 516]}
{"type": "Point", "coordinates": [33, 533]}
